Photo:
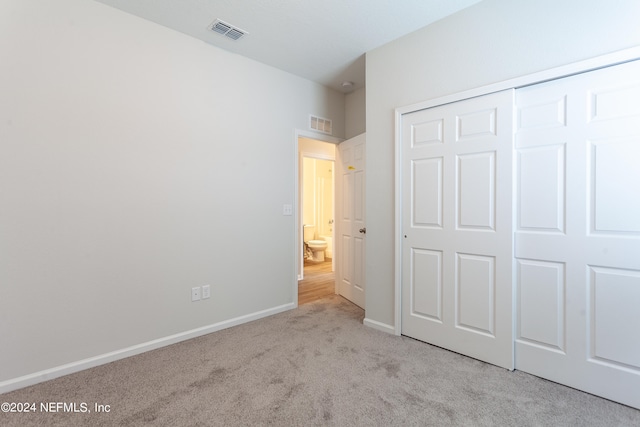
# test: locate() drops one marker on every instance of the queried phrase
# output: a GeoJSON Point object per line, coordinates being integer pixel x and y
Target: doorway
{"type": "Point", "coordinates": [347, 222]}
{"type": "Point", "coordinates": [316, 210]}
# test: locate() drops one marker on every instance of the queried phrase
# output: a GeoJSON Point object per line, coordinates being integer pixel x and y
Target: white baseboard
{"type": "Point", "coordinates": [379, 326]}
{"type": "Point", "coordinates": [70, 368]}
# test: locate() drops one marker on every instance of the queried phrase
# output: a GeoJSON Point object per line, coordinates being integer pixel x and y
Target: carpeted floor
{"type": "Point", "coordinates": [316, 365]}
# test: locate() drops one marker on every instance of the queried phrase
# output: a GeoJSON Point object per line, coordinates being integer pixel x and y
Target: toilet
{"type": "Point", "coordinates": [317, 246]}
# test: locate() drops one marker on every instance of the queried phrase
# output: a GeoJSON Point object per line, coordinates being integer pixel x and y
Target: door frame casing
{"type": "Point", "coordinates": [592, 64]}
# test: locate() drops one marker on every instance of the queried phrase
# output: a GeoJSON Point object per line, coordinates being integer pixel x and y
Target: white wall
{"type": "Point", "coordinates": [492, 41]}
{"type": "Point", "coordinates": [317, 194]}
{"type": "Point", "coordinates": [355, 113]}
{"type": "Point", "coordinates": [324, 196]}
{"type": "Point", "coordinates": [135, 163]}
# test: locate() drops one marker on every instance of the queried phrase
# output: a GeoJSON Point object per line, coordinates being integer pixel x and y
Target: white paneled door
{"type": "Point", "coordinates": [578, 232]}
{"type": "Point", "coordinates": [350, 276]}
{"type": "Point", "coordinates": [457, 251]}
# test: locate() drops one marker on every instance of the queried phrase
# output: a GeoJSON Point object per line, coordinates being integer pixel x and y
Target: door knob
{"type": "Point", "coordinates": [363, 230]}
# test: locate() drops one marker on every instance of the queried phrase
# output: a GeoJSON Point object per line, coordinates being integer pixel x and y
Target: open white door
{"type": "Point", "coordinates": [457, 245]}
{"type": "Point", "coordinates": [350, 215]}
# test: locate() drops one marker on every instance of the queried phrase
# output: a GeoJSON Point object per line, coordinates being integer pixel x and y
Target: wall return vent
{"type": "Point", "coordinates": [320, 124]}
{"type": "Point", "coordinates": [227, 30]}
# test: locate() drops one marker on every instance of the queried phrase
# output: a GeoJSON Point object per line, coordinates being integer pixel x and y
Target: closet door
{"type": "Point", "coordinates": [457, 253]}
{"type": "Point", "coordinates": [578, 232]}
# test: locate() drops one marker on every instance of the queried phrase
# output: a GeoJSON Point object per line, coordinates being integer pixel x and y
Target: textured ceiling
{"type": "Point", "coordinates": [320, 40]}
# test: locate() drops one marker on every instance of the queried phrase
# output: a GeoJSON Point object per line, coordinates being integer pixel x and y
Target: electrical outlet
{"type": "Point", "coordinates": [195, 293]}
{"type": "Point", "coordinates": [206, 291]}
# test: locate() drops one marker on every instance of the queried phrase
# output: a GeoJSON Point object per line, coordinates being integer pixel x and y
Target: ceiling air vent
{"type": "Point", "coordinates": [227, 30]}
{"type": "Point", "coordinates": [320, 124]}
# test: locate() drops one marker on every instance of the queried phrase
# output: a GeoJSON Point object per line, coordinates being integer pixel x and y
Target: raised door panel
{"type": "Point", "coordinates": [358, 267]}
{"type": "Point", "coordinates": [614, 101]}
{"type": "Point", "coordinates": [615, 176]}
{"type": "Point", "coordinates": [614, 295]}
{"type": "Point", "coordinates": [346, 261]}
{"type": "Point", "coordinates": [426, 182]}
{"type": "Point", "coordinates": [475, 294]}
{"type": "Point", "coordinates": [541, 186]}
{"type": "Point", "coordinates": [426, 284]}
{"type": "Point", "coordinates": [541, 304]}
{"type": "Point", "coordinates": [429, 132]}
{"type": "Point", "coordinates": [476, 124]}
{"type": "Point", "coordinates": [476, 191]}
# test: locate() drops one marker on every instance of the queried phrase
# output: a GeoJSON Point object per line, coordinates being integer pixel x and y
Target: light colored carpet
{"type": "Point", "coordinates": [317, 365]}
